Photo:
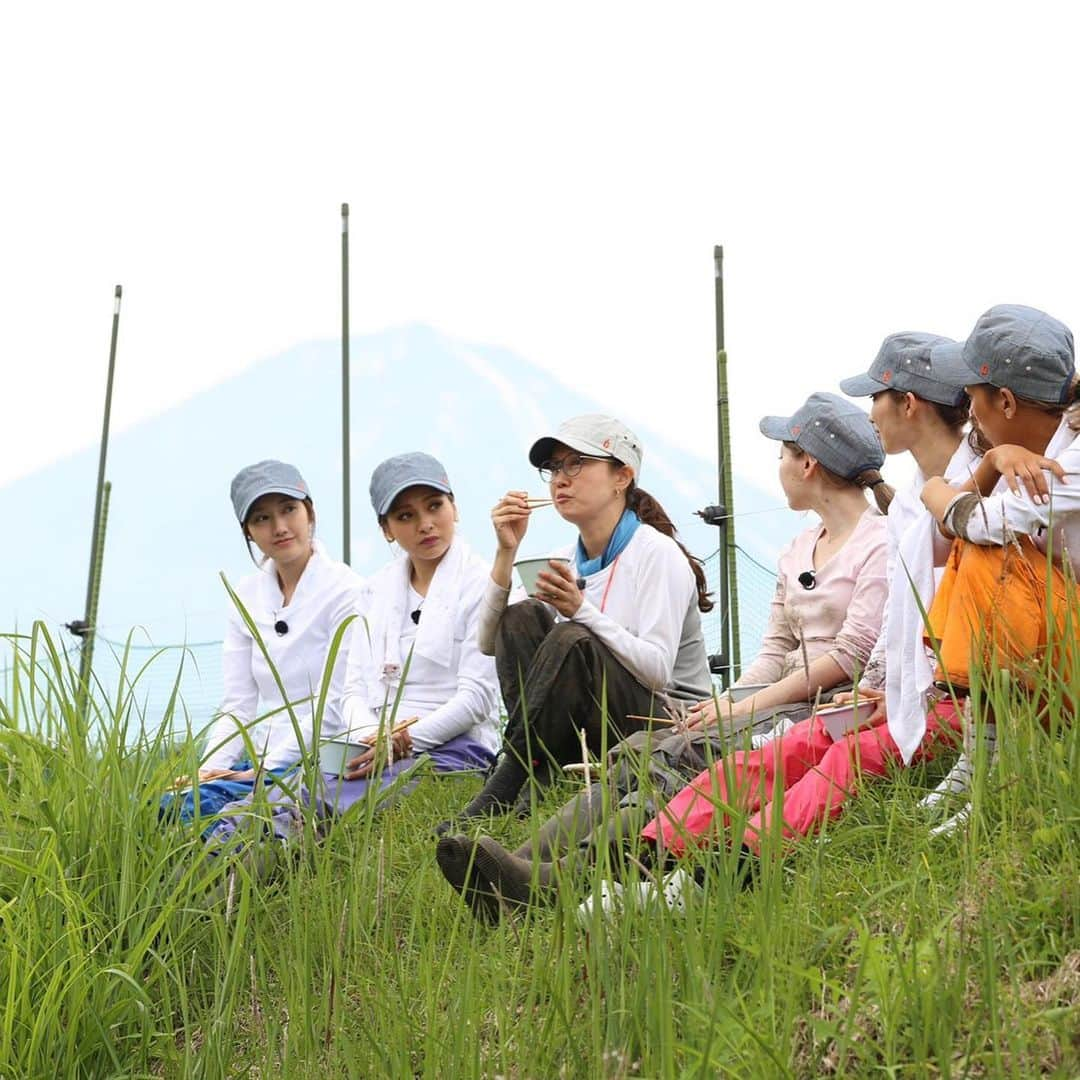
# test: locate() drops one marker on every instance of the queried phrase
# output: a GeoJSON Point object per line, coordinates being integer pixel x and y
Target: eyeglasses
{"type": "Point", "coordinates": [808, 579]}
{"type": "Point", "coordinates": [569, 466]}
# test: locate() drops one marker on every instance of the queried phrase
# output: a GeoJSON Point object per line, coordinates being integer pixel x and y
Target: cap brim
{"type": "Point", "coordinates": [273, 489]}
{"type": "Point", "coordinates": [776, 427]}
{"type": "Point", "coordinates": [415, 481]}
{"type": "Point", "coordinates": [862, 386]}
{"type": "Point", "coordinates": [542, 448]}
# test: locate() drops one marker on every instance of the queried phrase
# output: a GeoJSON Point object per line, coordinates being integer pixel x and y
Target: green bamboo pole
{"type": "Point", "coordinates": [86, 661]}
{"type": "Point", "coordinates": [346, 475]}
{"type": "Point", "coordinates": [729, 596]}
{"type": "Point", "coordinates": [103, 451]}
{"type": "Point", "coordinates": [84, 628]}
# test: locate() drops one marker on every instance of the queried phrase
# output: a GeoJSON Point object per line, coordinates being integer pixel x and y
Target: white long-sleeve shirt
{"type": "Point", "coordinates": [1003, 514]}
{"type": "Point", "coordinates": [327, 593]}
{"type": "Point", "coordinates": [449, 683]}
{"type": "Point", "coordinates": [643, 607]}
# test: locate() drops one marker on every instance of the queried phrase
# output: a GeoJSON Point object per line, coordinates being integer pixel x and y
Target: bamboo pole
{"type": "Point", "coordinates": [729, 584]}
{"type": "Point", "coordinates": [346, 471]}
{"type": "Point", "coordinates": [86, 661]}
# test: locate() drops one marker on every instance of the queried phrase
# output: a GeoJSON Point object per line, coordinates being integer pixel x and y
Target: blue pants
{"type": "Point", "coordinates": [213, 796]}
{"type": "Point", "coordinates": [335, 794]}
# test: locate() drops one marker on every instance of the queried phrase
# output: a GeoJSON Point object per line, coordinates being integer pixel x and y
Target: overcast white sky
{"type": "Point", "coordinates": [551, 178]}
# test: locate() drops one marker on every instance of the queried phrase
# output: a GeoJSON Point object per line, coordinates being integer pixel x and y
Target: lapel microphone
{"type": "Point", "coordinates": [281, 628]}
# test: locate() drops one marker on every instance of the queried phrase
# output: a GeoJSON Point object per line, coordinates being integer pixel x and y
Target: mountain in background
{"type": "Point", "coordinates": [171, 527]}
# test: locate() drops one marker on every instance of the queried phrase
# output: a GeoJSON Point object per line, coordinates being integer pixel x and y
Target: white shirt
{"type": "Point", "coordinates": [448, 682]}
{"type": "Point", "coordinates": [1003, 514]}
{"type": "Point", "coordinates": [327, 593]}
{"type": "Point", "coordinates": [643, 607]}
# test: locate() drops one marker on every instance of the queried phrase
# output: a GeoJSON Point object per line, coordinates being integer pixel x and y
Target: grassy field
{"type": "Point", "coordinates": [874, 951]}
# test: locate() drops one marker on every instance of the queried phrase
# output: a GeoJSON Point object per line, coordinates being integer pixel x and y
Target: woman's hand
{"type": "Point", "coordinates": [937, 493]}
{"type": "Point", "coordinates": [703, 714]}
{"type": "Point", "coordinates": [558, 588]}
{"type": "Point", "coordinates": [848, 697]}
{"type": "Point", "coordinates": [510, 517]}
{"type": "Point", "coordinates": [1021, 466]}
{"type": "Point", "coordinates": [360, 767]}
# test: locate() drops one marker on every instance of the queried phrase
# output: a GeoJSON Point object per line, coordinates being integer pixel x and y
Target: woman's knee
{"type": "Point", "coordinates": [526, 621]}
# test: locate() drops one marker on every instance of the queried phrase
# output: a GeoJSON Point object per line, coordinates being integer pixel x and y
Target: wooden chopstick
{"type": "Point", "coordinates": [536, 504]}
{"type": "Point", "coordinates": [403, 725]}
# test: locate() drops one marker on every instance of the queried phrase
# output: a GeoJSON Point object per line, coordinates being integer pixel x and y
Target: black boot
{"type": "Point", "coordinates": [454, 855]}
{"type": "Point", "coordinates": [496, 796]}
{"type": "Point", "coordinates": [544, 775]}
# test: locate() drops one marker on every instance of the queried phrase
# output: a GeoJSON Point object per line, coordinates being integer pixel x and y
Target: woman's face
{"type": "Point", "coordinates": [988, 413]}
{"type": "Point", "coordinates": [888, 414]}
{"type": "Point", "coordinates": [281, 527]}
{"type": "Point", "coordinates": [421, 520]}
{"type": "Point", "coordinates": [794, 476]}
{"type": "Point", "coordinates": [592, 487]}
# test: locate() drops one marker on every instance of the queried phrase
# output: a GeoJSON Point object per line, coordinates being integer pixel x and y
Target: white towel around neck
{"type": "Point", "coordinates": [909, 670]}
{"type": "Point", "coordinates": [435, 631]}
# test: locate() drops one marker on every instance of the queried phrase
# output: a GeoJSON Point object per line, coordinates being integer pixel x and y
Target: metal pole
{"type": "Point", "coordinates": [729, 596]}
{"type": "Point", "coordinates": [346, 513]}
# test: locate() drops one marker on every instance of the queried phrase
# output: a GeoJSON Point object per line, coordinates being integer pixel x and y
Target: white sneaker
{"type": "Point", "coordinates": [614, 898]}
{"type": "Point", "coordinates": [952, 824]}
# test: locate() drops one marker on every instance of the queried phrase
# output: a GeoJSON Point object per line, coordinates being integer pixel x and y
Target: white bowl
{"type": "Point", "coordinates": [528, 569]}
{"type": "Point", "coordinates": [335, 754]}
{"type": "Point", "coordinates": [840, 719]}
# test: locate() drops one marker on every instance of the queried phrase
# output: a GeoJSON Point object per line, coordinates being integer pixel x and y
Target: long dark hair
{"type": "Point", "coordinates": [652, 513]}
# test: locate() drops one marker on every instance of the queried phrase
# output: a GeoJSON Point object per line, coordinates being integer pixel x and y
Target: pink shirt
{"type": "Point", "coordinates": [839, 617]}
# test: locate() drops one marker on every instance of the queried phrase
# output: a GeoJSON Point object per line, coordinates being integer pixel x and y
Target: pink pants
{"type": "Point", "coordinates": [815, 774]}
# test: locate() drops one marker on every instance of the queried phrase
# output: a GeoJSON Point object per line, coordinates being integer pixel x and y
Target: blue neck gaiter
{"type": "Point", "coordinates": [620, 537]}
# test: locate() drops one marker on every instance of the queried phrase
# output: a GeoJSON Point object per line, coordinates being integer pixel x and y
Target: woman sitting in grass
{"type": "Point", "coordinates": [825, 619]}
{"type": "Point", "coordinates": [1009, 595]}
{"type": "Point", "coordinates": [1006, 599]}
{"type": "Point", "coordinates": [416, 683]}
{"type": "Point", "coordinates": [617, 621]}
{"type": "Point", "coordinates": [920, 411]}
{"type": "Point", "coordinates": [295, 603]}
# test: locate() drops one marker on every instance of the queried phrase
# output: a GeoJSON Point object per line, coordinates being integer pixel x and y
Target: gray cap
{"type": "Point", "coordinates": [395, 474]}
{"type": "Point", "coordinates": [905, 362]}
{"type": "Point", "coordinates": [592, 433]}
{"type": "Point", "coordinates": [832, 430]}
{"type": "Point", "coordinates": [265, 478]}
{"type": "Point", "coordinates": [1020, 349]}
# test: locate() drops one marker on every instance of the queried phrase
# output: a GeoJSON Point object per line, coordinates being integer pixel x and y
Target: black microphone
{"type": "Point", "coordinates": [415, 616]}
{"type": "Point", "coordinates": [281, 628]}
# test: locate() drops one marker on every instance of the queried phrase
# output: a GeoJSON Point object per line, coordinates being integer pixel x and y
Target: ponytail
{"type": "Point", "coordinates": [652, 513]}
{"type": "Point", "coordinates": [882, 492]}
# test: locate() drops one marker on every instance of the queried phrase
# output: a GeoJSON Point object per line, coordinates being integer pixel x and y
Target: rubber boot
{"type": "Point", "coordinates": [496, 796]}
{"type": "Point", "coordinates": [567, 828]}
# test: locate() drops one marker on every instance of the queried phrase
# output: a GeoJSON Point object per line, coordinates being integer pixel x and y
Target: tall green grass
{"type": "Point", "coordinates": [873, 951]}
